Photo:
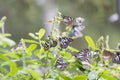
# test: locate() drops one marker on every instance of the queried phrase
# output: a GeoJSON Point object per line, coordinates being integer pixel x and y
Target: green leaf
{"type": "Point", "coordinates": [53, 74]}
{"type": "Point", "coordinates": [106, 74]}
{"type": "Point", "coordinates": [53, 61]}
{"type": "Point", "coordinates": [50, 55]}
{"type": "Point", "coordinates": [100, 43]}
{"type": "Point", "coordinates": [33, 36]}
{"type": "Point", "coordinates": [67, 55]}
{"type": "Point", "coordinates": [90, 42]}
{"type": "Point", "coordinates": [2, 21]}
{"type": "Point", "coordinates": [3, 70]}
{"type": "Point", "coordinates": [6, 41]}
{"type": "Point", "coordinates": [1, 75]}
{"type": "Point", "coordinates": [71, 60]}
{"type": "Point", "coordinates": [41, 33]}
{"type": "Point", "coordinates": [12, 55]}
{"type": "Point", "coordinates": [108, 77]}
{"type": "Point", "coordinates": [37, 52]}
{"type": "Point", "coordinates": [80, 77]}
{"type": "Point", "coordinates": [7, 34]}
{"type": "Point", "coordinates": [13, 68]}
{"type": "Point", "coordinates": [79, 65]}
{"type": "Point", "coordinates": [73, 49]}
{"type": "Point", "coordinates": [4, 50]}
{"type": "Point", "coordinates": [34, 61]}
{"type": "Point", "coordinates": [30, 49]}
{"type": "Point", "coordinates": [4, 57]}
{"type": "Point", "coordinates": [64, 77]}
{"type": "Point", "coordinates": [30, 41]}
{"type": "Point", "coordinates": [35, 74]}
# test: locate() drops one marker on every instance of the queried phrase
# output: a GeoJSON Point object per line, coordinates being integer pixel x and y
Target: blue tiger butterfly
{"type": "Point", "coordinates": [76, 24]}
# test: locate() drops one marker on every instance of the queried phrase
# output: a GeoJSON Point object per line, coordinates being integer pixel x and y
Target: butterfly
{"type": "Point", "coordinates": [60, 64]}
{"type": "Point", "coordinates": [116, 59]}
{"type": "Point", "coordinates": [108, 55]}
{"type": "Point", "coordinates": [76, 31]}
{"type": "Point", "coordinates": [76, 24]}
{"type": "Point", "coordinates": [84, 55]}
{"type": "Point", "coordinates": [65, 41]}
{"type": "Point", "coordinates": [67, 20]}
{"type": "Point", "coordinates": [117, 56]}
{"type": "Point", "coordinates": [50, 43]}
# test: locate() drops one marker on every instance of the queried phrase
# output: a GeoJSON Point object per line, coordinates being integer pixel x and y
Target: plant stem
{"type": "Point", "coordinates": [3, 30]}
{"type": "Point", "coordinates": [52, 28]}
{"type": "Point", "coordinates": [100, 75]}
{"type": "Point", "coordinates": [46, 57]}
{"type": "Point", "coordinates": [40, 43]}
{"type": "Point", "coordinates": [114, 50]}
{"type": "Point", "coordinates": [23, 59]}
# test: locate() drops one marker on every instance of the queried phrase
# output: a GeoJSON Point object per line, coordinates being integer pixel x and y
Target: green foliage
{"type": "Point", "coordinates": [29, 60]}
{"type": "Point", "coordinates": [81, 77]}
{"type": "Point", "coordinates": [4, 41]}
{"type": "Point", "coordinates": [13, 68]}
{"type": "Point", "coordinates": [41, 33]}
{"type": "Point", "coordinates": [2, 21]}
{"type": "Point", "coordinates": [90, 42]}
{"type": "Point", "coordinates": [30, 49]}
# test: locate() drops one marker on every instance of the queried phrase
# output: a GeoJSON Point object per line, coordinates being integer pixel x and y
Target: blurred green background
{"type": "Point", "coordinates": [24, 16]}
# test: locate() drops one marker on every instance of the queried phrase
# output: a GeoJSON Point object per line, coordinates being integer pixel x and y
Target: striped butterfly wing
{"type": "Point", "coordinates": [116, 59]}
{"type": "Point", "coordinates": [67, 20]}
{"type": "Point", "coordinates": [84, 55]}
{"type": "Point", "coordinates": [65, 41]}
{"type": "Point", "coordinates": [60, 64]}
{"type": "Point", "coordinates": [50, 43]}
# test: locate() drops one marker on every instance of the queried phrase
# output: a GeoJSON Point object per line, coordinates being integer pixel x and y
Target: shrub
{"type": "Point", "coordinates": [54, 59]}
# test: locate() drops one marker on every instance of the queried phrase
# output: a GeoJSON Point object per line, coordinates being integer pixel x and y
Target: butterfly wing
{"type": "Point", "coordinates": [75, 25]}
{"type": "Point", "coordinates": [116, 59]}
{"type": "Point", "coordinates": [78, 21]}
{"type": "Point", "coordinates": [84, 55]}
{"type": "Point", "coordinates": [65, 41]}
{"type": "Point", "coordinates": [108, 55]}
{"type": "Point", "coordinates": [60, 65]}
{"type": "Point", "coordinates": [76, 31]}
{"type": "Point", "coordinates": [67, 20]}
